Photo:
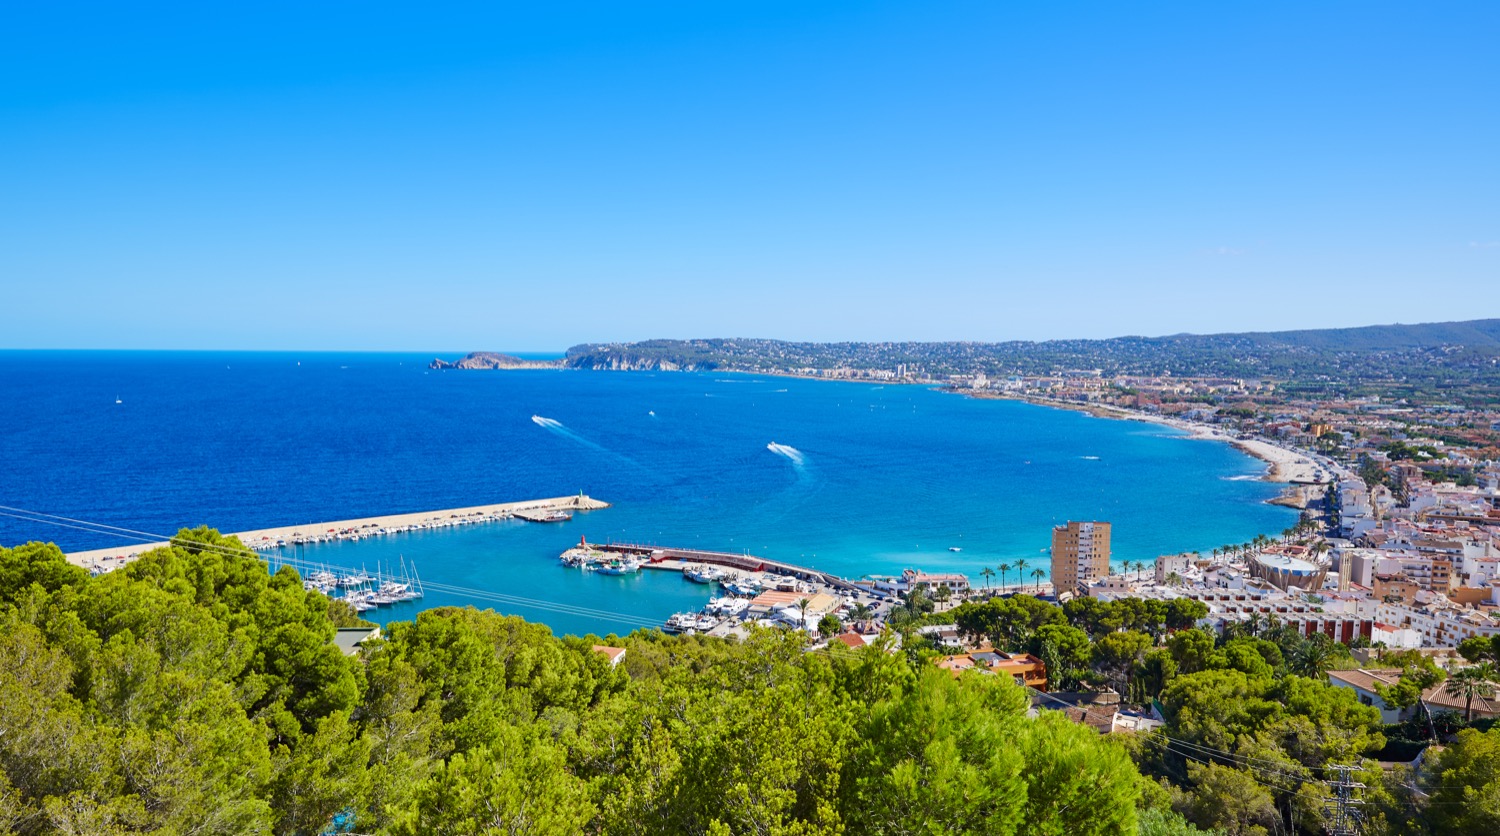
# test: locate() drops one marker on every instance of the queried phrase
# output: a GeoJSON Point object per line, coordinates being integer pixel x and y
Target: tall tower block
{"type": "Point", "coordinates": [1080, 555]}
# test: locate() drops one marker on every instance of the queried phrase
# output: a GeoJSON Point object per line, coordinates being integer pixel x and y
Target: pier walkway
{"type": "Point", "coordinates": [354, 529]}
{"type": "Point", "coordinates": [744, 562]}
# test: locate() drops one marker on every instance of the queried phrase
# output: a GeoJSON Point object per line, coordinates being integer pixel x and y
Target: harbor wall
{"type": "Point", "coordinates": [744, 562]}
{"type": "Point", "coordinates": [346, 528]}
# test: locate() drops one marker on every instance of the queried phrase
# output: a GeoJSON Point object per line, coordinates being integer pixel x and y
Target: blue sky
{"type": "Point", "coordinates": [529, 176]}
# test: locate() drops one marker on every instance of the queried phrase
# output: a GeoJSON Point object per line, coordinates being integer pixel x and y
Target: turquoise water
{"type": "Point", "coordinates": [869, 479]}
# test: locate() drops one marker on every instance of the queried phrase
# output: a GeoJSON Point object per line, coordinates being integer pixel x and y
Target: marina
{"type": "Point", "coordinates": [753, 590]}
{"type": "Point", "coordinates": [360, 589]}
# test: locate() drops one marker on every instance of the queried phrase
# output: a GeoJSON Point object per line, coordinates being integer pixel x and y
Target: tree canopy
{"type": "Point", "coordinates": [191, 692]}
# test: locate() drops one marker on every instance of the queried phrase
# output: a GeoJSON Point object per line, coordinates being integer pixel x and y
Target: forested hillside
{"type": "Point", "coordinates": [1414, 356]}
{"type": "Point", "coordinates": [192, 693]}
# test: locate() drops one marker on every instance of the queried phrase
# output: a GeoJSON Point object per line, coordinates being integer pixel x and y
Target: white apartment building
{"type": "Point", "coordinates": [1437, 624]}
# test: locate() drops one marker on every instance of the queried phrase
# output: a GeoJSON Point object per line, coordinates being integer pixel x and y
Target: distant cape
{"type": "Point", "coordinates": [494, 360]}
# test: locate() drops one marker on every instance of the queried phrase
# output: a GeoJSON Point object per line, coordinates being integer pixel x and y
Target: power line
{"type": "Point", "coordinates": [1344, 807]}
{"type": "Point", "coordinates": [480, 594]}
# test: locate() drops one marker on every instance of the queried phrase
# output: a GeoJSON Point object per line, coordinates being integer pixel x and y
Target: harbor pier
{"type": "Point", "coordinates": [654, 555]}
{"type": "Point", "coordinates": [322, 532]}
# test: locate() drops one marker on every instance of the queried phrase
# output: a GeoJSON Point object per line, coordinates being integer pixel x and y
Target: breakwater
{"type": "Point", "coordinates": [265, 539]}
{"type": "Point", "coordinates": [728, 560]}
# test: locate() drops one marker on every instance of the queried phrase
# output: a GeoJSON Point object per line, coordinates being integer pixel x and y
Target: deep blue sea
{"type": "Point", "coordinates": [876, 478]}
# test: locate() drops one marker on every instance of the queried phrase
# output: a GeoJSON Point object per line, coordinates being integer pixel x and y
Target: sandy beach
{"type": "Point", "coordinates": [348, 529]}
{"type": "Point", "coordinates": [1283, 465]}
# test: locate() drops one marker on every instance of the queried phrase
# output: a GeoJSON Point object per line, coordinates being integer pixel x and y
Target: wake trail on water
{"type": "Point", "coordinates": [558, 428]}
{"type": "Point", "coordinates": [798, 493]}
{"type": "Point", "coordinates": [789, 452]}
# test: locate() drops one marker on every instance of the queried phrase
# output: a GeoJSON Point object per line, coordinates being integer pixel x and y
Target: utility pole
{"type": "Point", "coordinates": [1344, 806]}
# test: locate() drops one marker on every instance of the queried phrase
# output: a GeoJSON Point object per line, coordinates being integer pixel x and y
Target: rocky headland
{"type": "Point", "coordinates": [494, 360]}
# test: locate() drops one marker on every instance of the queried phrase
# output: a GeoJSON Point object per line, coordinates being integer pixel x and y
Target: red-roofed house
{"type": "Point", "coordinates": [613, 654]}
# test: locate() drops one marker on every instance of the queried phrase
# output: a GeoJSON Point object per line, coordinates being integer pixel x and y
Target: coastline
{"type": "Point", "coordinates": [1283, 465]}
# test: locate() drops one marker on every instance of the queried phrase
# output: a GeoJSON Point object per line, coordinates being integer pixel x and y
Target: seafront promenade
{"type": "Point", "coordinates": [264, 538]}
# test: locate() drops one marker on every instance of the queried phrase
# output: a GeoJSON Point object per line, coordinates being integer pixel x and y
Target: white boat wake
{"type": "Point", "coordinates": [788, 451]}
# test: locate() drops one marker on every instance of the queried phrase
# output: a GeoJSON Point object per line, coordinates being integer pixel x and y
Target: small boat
{"type": "Point", "coordinates": [556, 516]}
{"type": "Point", "coordinates": [741, 588]}
{"type": "Point", "coordinates": [704, 574]}
{"type": "Point", "coordinates": [617, 567]}
{"type": "Point", "coordinates": [682, 622]}
{"type": "Point", "coordinates": [726, 606]}
{"type": "Point", "coordinates": [954, 549]}
{"type": "Point", "coordinates": [117, 399]}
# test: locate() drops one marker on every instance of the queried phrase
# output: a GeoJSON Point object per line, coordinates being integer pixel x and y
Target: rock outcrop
{"type": "Point", "coordinates": [493, 360]}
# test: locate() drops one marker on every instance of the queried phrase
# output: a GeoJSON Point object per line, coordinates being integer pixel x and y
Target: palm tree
{"type": "Point", "coordinates": [802, 604]}
{"type": "Point", "coordinates": [1311, 658]}
{"type": "Point", "coordinates": [1020, 567]}
{"type": "Point", "coordinates": [987, 573]}
{"type": "Point", "coordinates": [1216, 553]}
{"type": "Point", "coordinates": [942, 594]}
{"type": "Point", "coordinates": [1004, 567]}
{"type": "Point", "coordinates": [916, 599]}
{"type": "Point", "coordinates": [861, 612]}
{"type": "Point", "coordinates": [1174, 579]}
{"type": "Point", "coordinates": [1038, 573]}
{"type": "Point", "coordinates": [1253, 625]}
{"type": "Point", "coordinates": [1470, 683]}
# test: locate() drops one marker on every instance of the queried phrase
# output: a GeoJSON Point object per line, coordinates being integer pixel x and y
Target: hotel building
{"type": "Point", "coordinates": [1080, 555]}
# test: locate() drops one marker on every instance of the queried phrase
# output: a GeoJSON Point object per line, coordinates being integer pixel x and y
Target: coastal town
{"type": "Point", "coordinates": [750, 419]}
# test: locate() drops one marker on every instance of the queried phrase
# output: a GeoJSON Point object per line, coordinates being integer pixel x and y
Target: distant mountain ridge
{"type": "Point", "coordinates": [1475, 333]}
{"type": "Point", "coordinates": [1431, 355]}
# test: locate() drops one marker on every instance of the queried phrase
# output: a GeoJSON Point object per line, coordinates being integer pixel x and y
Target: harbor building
{"type": "Point", "coordinates": [1080, 555]}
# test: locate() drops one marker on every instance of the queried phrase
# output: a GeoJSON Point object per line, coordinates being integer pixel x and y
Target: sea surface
{"type": "Point", "coordinates": [855, 478]}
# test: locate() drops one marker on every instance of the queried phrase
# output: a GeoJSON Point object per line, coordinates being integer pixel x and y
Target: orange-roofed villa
{"type": "Point", "coordinates": [1026, 669]}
